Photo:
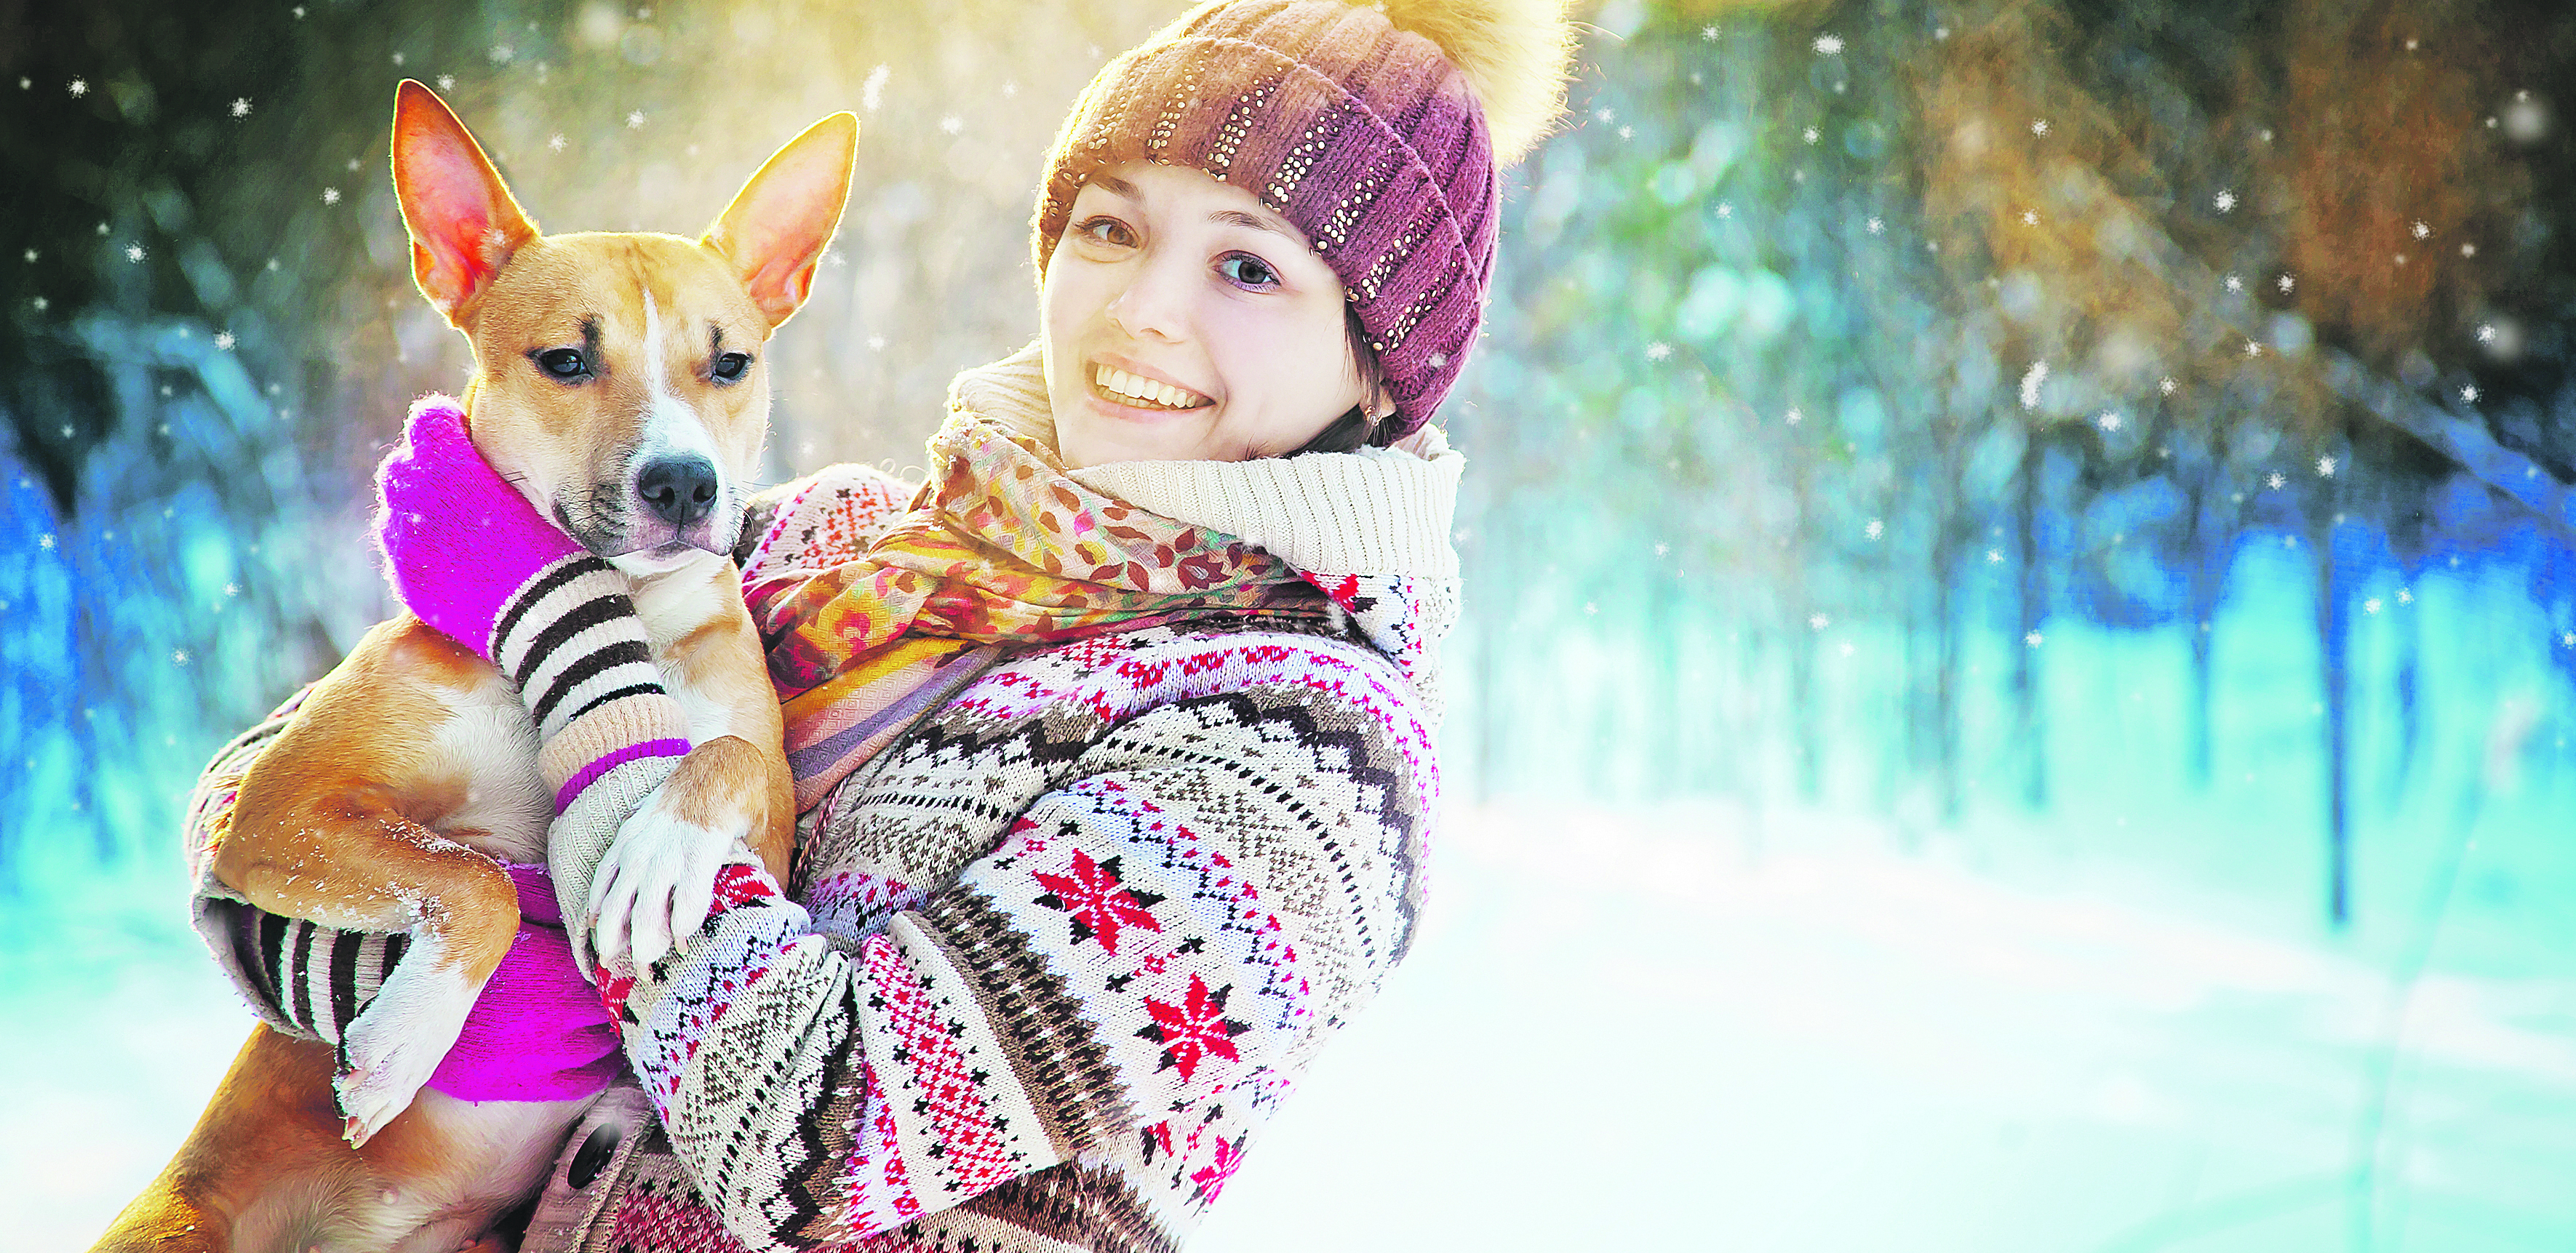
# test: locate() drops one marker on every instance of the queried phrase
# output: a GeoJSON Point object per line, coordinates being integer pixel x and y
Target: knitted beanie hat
{"type": "Point", "coordinates": [1375, 129]}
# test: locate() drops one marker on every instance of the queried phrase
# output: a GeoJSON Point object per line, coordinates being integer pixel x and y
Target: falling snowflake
{"type": "Point", "coordinates": [1940, 32]}
{"type": "Point", "coordinates": [224, 340]}
{"type": "Point", "coordinates": [876, 343]}
{"type": "Point", "coordinates": [80, 87]}
{"type": "Point", "coordinates": [1658, 350]}
{"type": "Point", "coordinates": [179, 655]}
{"type": "Point", "coordinates": [1725, 210]}
{"type": "Point", "coordinates": [447, 82]}
{"type": "Point", "coordinates": [2234, 283]}
{"type": "Point", "coordinates": [1875, 528]}
{"type": "Point", "coordinates": [2108, 421]}
{"type": "Point", "coordinates": [2032, 639]}
{"type": "Point", "coordinates": [2421, 230]}
{"type": "Point", "coordinates": [1795, 417]}
{"type": "Point", "coordinates": [952, 124]}
{"type": "Point", "coordinates": [635, 119]}
{"type": "Point", "coordinates": [1994, 556]}
{"type": "Point", "coordinates": [1876, 226]}
{"type": "Point", "coordinates": [2371, 605]}
{"type": "Point", "coordinates": [1811, 134]}
{"type": "Point", "coordinates": [31, 256]}
{"type": "Point", "coordinates": [2486, 334]}
{"type": "Point", "coordinates": [330, 195]}
{"type": "Point", "coordinates": [1661, 549]}
{"type": "Point", "coordinates": [2039, 126]}
{"type": "Point", "coordinates": [2031, 380]}
{"type": "Point", "coordinates": [2468, 250]}
{"type": "Point", "coordinates": [2276, 480]}
{"type": "Point", "coordinates": [398, 59]}
{"type": "Point", "coordinates": [2166, 385]}
{"type": "Point", "coordinates": [135, 252]}
{"type": "Point", "coordinates": [241, 106]}
{"type": "Point", "coordinates": [2469, 395]}
{"type": "Point", "coordinates": [1818, 621]}
{"type": "Point", "coordinates": [1605, 116]}
{"type": "Point", "coordinates": [1708, 34]}
{"type": "Point", "coordinates": [2567, 639]}
{"type": "Point", "coordinates": [2325, 467]}
{"type": "Point", "coordinates": [232, 589]}
{"type": "Point", "coordinates": [1627, 132]}
{"type": "Point", "coordinates": [2030, 217]}
{"type": "Point", "coordinates": [39, 304]}
{"type": "Point", "coordinates": [2225, 199]}
{"type": "Point", "coordinates": [873, 89]}
{"type": "Point", "coordinates": [2253, 349]}
{"type": "Point", "coordinates": [2405, 597]}
{"type": "Point", "coordinates": [1829, 45]}
{"type": "Point", "coordinates": [557, 141]}
{"type": "Point", "coordinates": [501, 54]}
{"type": "Point", "coordinates": [2285, 283]}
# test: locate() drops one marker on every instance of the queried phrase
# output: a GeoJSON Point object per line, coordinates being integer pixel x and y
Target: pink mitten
{"type": "Point", "coordinates": [538, 1032]}
{"type": "Point", "coordinates": [457, 538]}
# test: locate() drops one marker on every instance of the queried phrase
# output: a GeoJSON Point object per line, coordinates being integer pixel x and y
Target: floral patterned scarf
{"type": "Point", "coordinates": [1000, 548]}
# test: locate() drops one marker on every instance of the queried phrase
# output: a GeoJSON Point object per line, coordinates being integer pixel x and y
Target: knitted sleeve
{"type": "Point", "coordinates": [1154, 948]}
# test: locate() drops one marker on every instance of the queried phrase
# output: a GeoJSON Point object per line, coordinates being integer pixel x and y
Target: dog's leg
{"type": "Point", "coordinates": [330, 827]}
{"type": "Point", "coordinates": [657, 883]}
{"type": "Point", "coordinates": [271, 1121]}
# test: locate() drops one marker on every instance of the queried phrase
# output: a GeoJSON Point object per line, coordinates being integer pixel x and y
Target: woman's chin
{"type": "Point", "coordinates": [1101, 432]}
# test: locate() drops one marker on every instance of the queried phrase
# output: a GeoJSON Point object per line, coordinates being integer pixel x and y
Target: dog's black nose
{"type": "Point", "coordinates": [679, 490]}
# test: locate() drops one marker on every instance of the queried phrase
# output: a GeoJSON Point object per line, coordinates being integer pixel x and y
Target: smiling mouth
{"type": "Point", "coordinates": [1118, 387]}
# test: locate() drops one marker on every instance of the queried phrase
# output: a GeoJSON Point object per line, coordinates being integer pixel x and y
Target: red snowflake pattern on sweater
{"type": "Point", "coordinates": [1099, 902]}
{"type": "Point", "coordinates": [1195, 1029]}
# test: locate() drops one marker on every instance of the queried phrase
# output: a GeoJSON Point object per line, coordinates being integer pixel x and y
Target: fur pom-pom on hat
{"type": "Point", "coordinates": [1374, 128]}
{"type": "Point", "coordinates": [1515, 54]}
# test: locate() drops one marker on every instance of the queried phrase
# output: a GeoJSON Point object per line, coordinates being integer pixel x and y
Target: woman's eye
{"type": "Point", "coordinates": [563, 363]}
{"type": "Point", "coordinates": [1108, 231]}
{"type": "Point", "coordinates": [731, 366]}
{"type": "Point", "coordinates": [1248, 270]}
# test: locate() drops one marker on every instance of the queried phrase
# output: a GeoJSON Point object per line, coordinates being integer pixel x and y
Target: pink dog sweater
{"type": "Point", "coordinates": [539, 1033]}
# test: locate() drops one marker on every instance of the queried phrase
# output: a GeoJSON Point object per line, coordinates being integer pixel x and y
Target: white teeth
{"type": "Point", "coordinates": [1110, 378]}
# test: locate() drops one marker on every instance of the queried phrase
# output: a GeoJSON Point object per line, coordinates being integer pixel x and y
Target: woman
{"type": "Point", "coordinates": [1113, 743]}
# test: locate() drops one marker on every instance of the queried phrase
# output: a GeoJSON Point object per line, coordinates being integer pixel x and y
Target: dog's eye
{"type": "Point", "coordinates": [731, 366]}
{"type": "Point", "coordinates": [564, 363]}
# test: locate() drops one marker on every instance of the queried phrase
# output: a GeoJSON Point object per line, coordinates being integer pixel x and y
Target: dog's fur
{"type": "Point", "coordinates": [409, 768]}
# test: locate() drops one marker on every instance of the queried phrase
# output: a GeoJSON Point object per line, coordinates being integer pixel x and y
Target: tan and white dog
{"type": "Point", "coordinates": [616, 382]}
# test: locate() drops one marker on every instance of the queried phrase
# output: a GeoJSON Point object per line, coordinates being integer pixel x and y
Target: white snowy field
{"type": "Point", "coordinates": [1621, 1030]}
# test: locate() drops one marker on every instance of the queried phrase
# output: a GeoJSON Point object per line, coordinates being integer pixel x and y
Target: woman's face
{"type": "Point", "coordinates": [1186, 322]}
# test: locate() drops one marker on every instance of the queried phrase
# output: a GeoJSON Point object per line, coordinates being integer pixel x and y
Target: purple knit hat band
{"type": "Point", "coordinates": [1362, 135]}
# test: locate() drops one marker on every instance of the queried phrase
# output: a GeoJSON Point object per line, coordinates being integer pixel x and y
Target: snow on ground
{"type": "Point", "coordinates": [1622, 1030]}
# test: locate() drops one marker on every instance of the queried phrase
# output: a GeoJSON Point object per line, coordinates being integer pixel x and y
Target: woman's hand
{"type": "Point", "coordinates": [458, 539]}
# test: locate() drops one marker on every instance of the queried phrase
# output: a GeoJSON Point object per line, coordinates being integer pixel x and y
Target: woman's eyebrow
{"type": "Point", "coordinates": [1237, 217]}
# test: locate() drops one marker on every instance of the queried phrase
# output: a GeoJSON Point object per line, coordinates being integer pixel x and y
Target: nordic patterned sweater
{"type": "Point", "coordinates": [1051, 960]}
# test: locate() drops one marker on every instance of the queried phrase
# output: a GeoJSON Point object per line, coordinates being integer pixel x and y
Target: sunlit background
{"type": "Point", "coordinates": [2016, 684]}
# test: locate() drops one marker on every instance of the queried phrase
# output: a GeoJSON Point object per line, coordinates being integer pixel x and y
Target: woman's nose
{"type": "Point", "coordinates": [1154, 304]}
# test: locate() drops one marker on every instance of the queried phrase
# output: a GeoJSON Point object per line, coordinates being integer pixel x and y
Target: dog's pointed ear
{"type": "Point", "coordinates": [464, 225]}
{"type": "Point", "coordinates": [773, 233]}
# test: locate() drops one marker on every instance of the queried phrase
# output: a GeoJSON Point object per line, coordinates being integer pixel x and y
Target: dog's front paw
{"type": "Point", "coordinates": [657, 884]}
{"type": "Point", "coordinates": [396, 1044]}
